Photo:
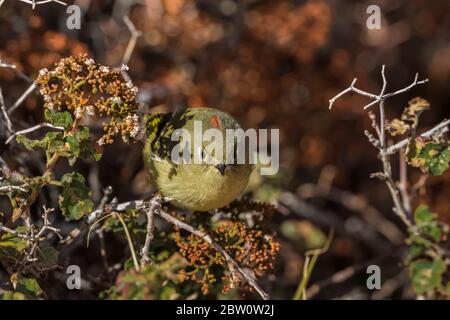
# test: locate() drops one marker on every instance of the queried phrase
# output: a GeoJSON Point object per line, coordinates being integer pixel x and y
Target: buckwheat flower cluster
{"type": "Point", "coordinates": [85, 88]}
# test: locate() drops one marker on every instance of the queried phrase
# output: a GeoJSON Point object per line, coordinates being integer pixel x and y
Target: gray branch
{"type": "Point", "coordinates": [233, 266]}
{"type": "Point", "coordinates": [31, 129]}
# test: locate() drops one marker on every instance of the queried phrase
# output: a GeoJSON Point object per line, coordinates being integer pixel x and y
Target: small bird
{"type": "Point", "coordinates": [199, 187]}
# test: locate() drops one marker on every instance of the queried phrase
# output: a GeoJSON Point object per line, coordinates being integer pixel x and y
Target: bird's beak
{"type": "Point", "coordinates": [221, 168]}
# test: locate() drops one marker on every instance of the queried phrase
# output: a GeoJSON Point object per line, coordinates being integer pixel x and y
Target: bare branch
{"type": "Point", "coordinates": [415, 83]}
{"type": "Point", "coordinates": [96, 214]}
{"type": "Point", "coordinates": [359, 204]}
{"type": "Point", "coordinates": [22, 98]}
{"type": "Point", "coordinates": [380, 97]}
{"type": "Point", "coordinates": [14, 232]}
{"type": "Point", "coordinates": [403, 183]}
{"type": "Point", "coordinates": [14, 68]}
{"type": "Point", "coordinates": [155, 207]}
{"type": "Point", "coordinates": [427, 134]}
{"type": "Point", "coordinates": [34, 128]}
{"type": "Point", "coordinates": [36, 237]}
{"type": "Point", "coordinates": [5, 114]}
{"type": "Point", "coordinates": [35, 3]}
{"type": "Point", "coordinates": [101, 237]}
{"type": "Point", "coordinates": [351, 88]}
{"type": "Point", "coordinates": [135, 34]}
{"type": "Point", "coordinates": [384, 152]}
{"type": "Point", "coordinates": [11, 188]}
{"type": "Point", "coordinates": [233, 266]}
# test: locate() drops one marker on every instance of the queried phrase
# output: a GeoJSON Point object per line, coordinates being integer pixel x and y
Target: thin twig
{"type": "Point", "coordinates": [14, 232]}
{"type": "Point", "coordinates": [34, 238]}
{"type": "Point", "coordinates": [14, 68]}
{"type": "Point", "coordinates": [103, 254]}
{"type": "Point", "coordinates": [35, 3]}
{"type": "Point", "coordinates": [5, 114]}
{"type": "Point", "coordinates": [231, 263]}
{"type": "Point", "coordinates": [357, 203]}
{"type": "Point", "coordinates": [329, 219]}
{"type": "Point", "coordinates": [11, 188]}
{"type": "Point", "coordinates": [135, 34]}
{"type": "Point", "coordinates": [403, 183]}
{"type": "Point", "coordinates": [341, 276]}
{"type": "Point", "coordinates": [351, 88]}
{"type": "Point", "coordinates": [415, 83]}
{"type": "Point", "coordinates": [155, 206]}
{"type": "Point", "coordinates": [130, 241]}
{"type": "Point", "coordinates": [22, 98]}
{"type": "Point", "coordinates": [31, 129]}
{"type": "Point", "coordinates": [383, 151]}
{"type": "Point", "coordinates": [311, 257]}
{"type": "Point", "coordinates": [377, 98]}
{"type": "Point", "coordinates": [427, 134]}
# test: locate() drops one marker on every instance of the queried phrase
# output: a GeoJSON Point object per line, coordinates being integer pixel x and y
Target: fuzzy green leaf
{"type": "Point", "coordinates": [31, 144]}
{"type": "Point", "coordinates": [430, 157]}
{"type": "Point", "coordinates": [426, 275]}
{"type": "Point", "coordinates": [59, 119]}
{"type": "Point", "coordinates": [75, 199]}
{"type": "Point", "coordinates": [12, 246]}
{"type": "Point", "coordinates": [52, 142]}
{"type": "Point", "coordinates": [25, 288]}
{"type": "Point", "coordinates": [28, 286]}
{"type": "Point", "coordinates": [414, 251]}
{"type": "Point", "coordinates": [427, 222]}
{"type": "Point", "coordinates": [80, 146]}
{"type": "Point", "coordinates": [47, 257]}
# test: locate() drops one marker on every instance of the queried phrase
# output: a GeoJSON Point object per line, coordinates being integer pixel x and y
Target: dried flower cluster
{"type": "Point", "coordinates": [409, 118]}
{"type": "Point", "coordinates": [251, 248]}
{"type": "Point", "coordinates": [86, 88]}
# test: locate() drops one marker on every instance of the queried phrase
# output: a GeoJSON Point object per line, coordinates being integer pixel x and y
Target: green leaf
{"type": "Point", "coordinates": [430, 157]}
{"type": "Point", "coordinates": [168, 293]}
{"type": "Point", "coordinates": [47, 257]}
{"type": "Point", "coordinates": [59, 119]}
{"type": "Point", "coordinates": [447, 288]}
{"type": "Point", "coordinates": [423, 216]}
{"type": "Point", "coordinates": [52, 142]}
{"type": "Point", "coordinates": [28, 286]}
{"type": "Point", "coordinates": [12, 246]}
{"type": "Point", "coordinates": [30, 144]}
{"type": "Point", "coordinates": [427, 222]}
{"type": "Point", "coordinates": [55, 142]}
{"type": "Point", "coordinates": [80, 146]}
{"type": "Point", "coordinates": [24, 288]}
{"type": "Point", "coordinates": [12, 295]}
{"type": "Point", "coordinates": [414, 251]}
{"type": "Point", "coordinates": [75, 199]}
{"type": "Point", "coordinates": [426, 275]}
{"type": "Point", "coordinates": [72, 146]}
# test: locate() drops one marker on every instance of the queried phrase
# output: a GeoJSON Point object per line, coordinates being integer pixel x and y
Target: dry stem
{"type": "Point", "coordinates": [232, 265]}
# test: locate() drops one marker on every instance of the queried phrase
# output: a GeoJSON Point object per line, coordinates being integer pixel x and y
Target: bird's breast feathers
{"type": "Point", "coordinates": [199, 187]}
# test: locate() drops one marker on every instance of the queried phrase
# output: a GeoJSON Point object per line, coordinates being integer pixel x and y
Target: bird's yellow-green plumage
{"type": "Point", "coordinates": [199, 187]}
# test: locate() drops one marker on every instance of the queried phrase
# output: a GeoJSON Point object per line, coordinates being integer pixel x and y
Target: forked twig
{"type": "Point", "coordinates": [401, 208]}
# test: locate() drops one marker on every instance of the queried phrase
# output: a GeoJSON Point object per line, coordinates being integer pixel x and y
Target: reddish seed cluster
{"type": "Point", "coordinates": [85, 88]}
{"type": "Point", "coordinates": [251, 248]}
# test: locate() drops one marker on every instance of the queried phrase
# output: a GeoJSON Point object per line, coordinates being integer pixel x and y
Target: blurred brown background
{"type": "Point", "coordinates": [271, 64]}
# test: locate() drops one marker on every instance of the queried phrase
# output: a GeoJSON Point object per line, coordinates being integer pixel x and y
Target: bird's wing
{"type": "Point", "coordinates": [155, 124]}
